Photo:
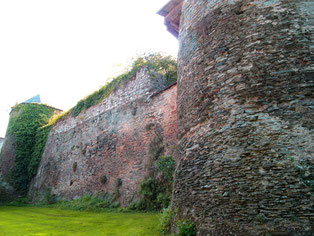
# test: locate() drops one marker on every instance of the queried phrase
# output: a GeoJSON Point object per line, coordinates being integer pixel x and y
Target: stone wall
{"type": "Point", "coordinates": [245, 117]}
{"type": "Point", "coordinates": [7, 152]}
{"type": "Point", "coordinates": [7, 155]}
{"type": "Point", "coordinates": [110, 140]}
{"type": "Point", "coordinates": [1, 143]}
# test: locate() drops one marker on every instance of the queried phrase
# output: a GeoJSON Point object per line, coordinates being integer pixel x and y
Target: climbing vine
{"type": "Point", "coordinates": [24, 123]}
{"type": "Point", "coordinates": [40, 142]}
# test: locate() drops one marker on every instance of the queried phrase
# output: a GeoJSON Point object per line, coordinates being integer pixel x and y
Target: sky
{"type": "Point", "coordinates": [66, 49]}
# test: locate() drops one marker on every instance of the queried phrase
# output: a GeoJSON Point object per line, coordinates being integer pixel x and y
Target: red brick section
{"type": "Point", "coordinates": [114, 143]}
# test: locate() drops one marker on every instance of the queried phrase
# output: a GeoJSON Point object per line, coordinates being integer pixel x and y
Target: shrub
{"type": "Point", "coordinates": [135, 205]}
{"type": "Point", "coordinates": [156, 194]}
{"type": "Point", "coordinates": [48, 197]}
{"type": "Point", "coordinates": [166, 165]}
{"type": "Point", "coordinates": [165, 221]}
{"type": "Point", "coordinates": [186, 228]}
{"type": "Point", "coordinates": [114, 205]}
{"type": "Point", "coordinates": [163, 199]}
{"type": "Point", "coordinates": [89, 202]}
{"type": "Point", "coordinates": [20, 201]}
{"type": "Point", "coordinates": [149, 189]}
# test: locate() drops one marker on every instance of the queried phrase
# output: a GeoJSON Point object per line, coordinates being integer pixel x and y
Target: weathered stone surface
{"type": "Point", "coordinates": [6, 191]}
{"type": "Point", "coordinates": [7, 152]}
{"type": "Point", "coordinates": [1, 143]}
{"type": "Point", "coordinates": [245, 117]}
{"type": "Point", "coordinates": [7, 155]}
{"type": "Point", "coordinates": [111, 140]}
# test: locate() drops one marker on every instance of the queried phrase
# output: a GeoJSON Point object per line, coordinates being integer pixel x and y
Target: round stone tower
{"type": "Point", "coordinates": [245, 117]}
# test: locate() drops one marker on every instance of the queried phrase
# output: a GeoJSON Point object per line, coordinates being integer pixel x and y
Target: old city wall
{"type": "Point", "coordinates": [1, 143]}
{"type": "Point", "coordinates": [111, 140]}
{"type": "Point", "coordinates": [7, 152]}
{"type": "Point", "coordinates": [245, 117]}
{"type": "Point", "coordinates": [7, 155]}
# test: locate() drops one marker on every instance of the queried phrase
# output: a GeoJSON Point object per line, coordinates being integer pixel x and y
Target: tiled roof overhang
{"type": "Point", "coordinates": [172, 13]}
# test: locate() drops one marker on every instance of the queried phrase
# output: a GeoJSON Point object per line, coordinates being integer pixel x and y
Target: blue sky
{"type": "Point", "coordinates": [66, 49]}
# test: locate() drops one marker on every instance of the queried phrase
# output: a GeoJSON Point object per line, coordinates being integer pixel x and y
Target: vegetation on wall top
{"type": "Point", "coordinates": [156, 63]}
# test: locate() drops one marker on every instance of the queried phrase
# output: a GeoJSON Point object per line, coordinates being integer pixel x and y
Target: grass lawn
{"type": "Point", "coordinates": [51, 221]}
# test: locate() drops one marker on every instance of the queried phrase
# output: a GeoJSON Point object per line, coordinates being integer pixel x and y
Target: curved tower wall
{"type": "Point", "coordinates": [245, 116]}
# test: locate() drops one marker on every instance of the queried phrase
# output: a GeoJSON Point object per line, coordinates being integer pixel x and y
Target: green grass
{"type": "Point", "coordinates": [51, 221]}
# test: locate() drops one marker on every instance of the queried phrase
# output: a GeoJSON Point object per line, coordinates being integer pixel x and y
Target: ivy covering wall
{"type": "Point", "coordinates": [26, 125]}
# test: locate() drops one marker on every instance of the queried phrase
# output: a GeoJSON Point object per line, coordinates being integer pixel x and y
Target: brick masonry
{"type": "Point", "coordinates": [111, 139]}
{"type": "Point", "coordinates": [245, 117]}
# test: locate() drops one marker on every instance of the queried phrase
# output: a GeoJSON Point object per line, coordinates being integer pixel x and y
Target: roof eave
{"type": "Point", "coordinates": [172, 13]}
